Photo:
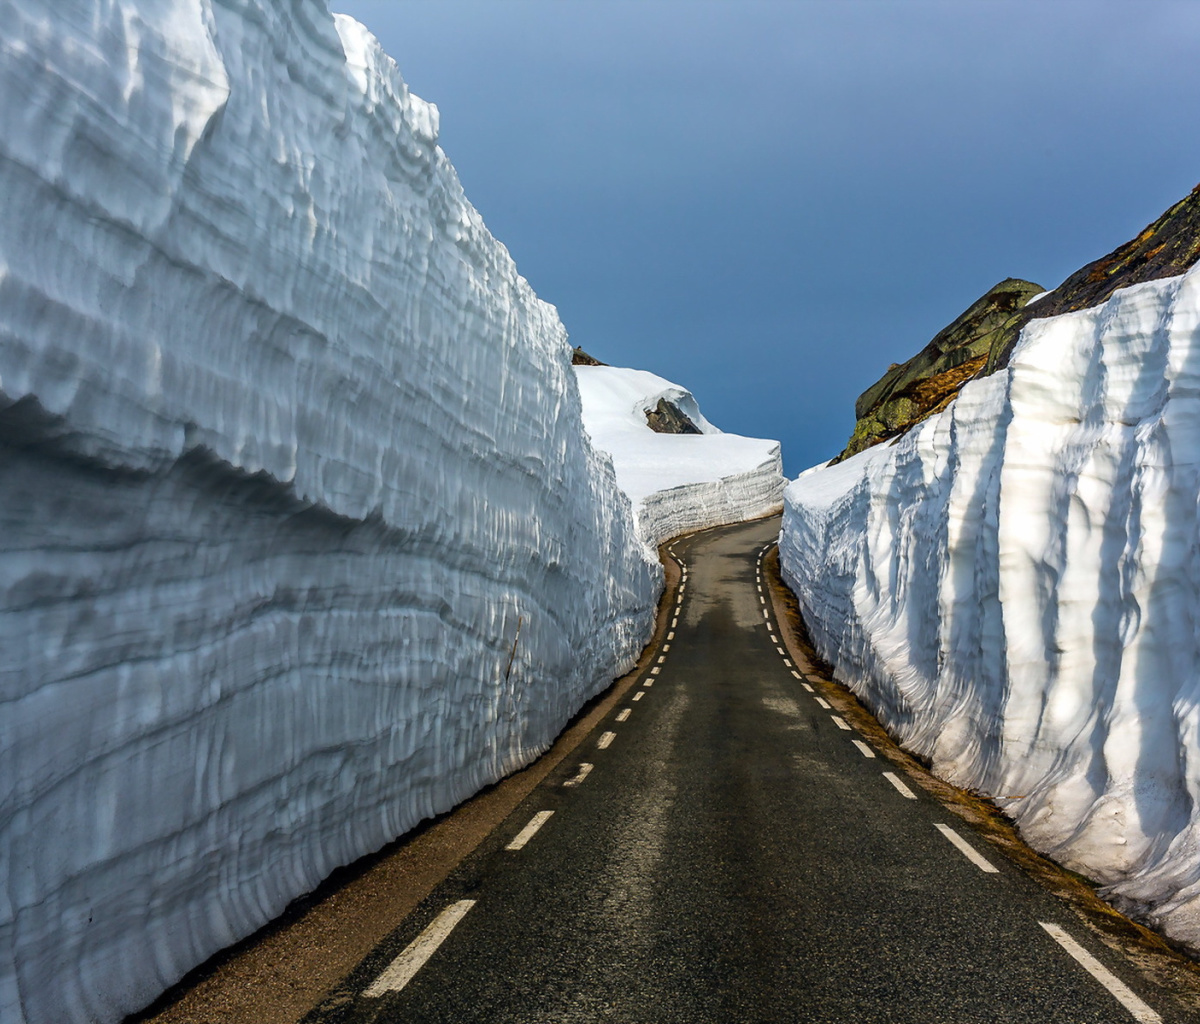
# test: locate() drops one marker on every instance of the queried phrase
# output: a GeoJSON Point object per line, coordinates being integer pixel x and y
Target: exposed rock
{"type": "Point", "coordinates": [981, 340]}
{"type": "Point", "coordinates": [1165, 248]}
{"type": "Point", "coordinates": [668, 418]}
{"type": "Point", "coordinates": [911, 391]}
{"type": "Point", "coordinates": [580, 358]}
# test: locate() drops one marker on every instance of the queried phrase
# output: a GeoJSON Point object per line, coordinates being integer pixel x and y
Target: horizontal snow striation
{"type": "Point", "coordinates": [1014, 588]}
{"type": "Point", "coordinates": [301, 537]}
{"type": "Point", "coordinates": [677, 482]}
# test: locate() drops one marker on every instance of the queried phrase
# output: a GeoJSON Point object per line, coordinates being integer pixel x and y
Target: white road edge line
{"type": "Point", "coordinates": [823, 704]}
{"type": "Point", "coordinates": [967, 850]}
{"type": "Point", "coordinates": [1117, 988]}
{"type": "Point", "coordinates": [841, 723]}
{"type": "Point", "coordinates": [530, 830]}
{"type": "Point", "coordinates": [901, 788]}
{"type": "Point", "coordinates": [584, 770]}
{"type": "Point", "coordinates": [605, 740]}
{"type": "Point", "coordinates": [401, 971]}
{"type": "Point", "coordinates": [863, 748]}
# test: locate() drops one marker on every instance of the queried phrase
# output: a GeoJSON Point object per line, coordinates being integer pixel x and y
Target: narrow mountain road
{"type": "Point", "coordinates": [724, 847]}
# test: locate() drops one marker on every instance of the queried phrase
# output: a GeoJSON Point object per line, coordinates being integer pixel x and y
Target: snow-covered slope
{"type": "Point", "coordinates": [291, 461]}
{"type": "Point", "coordinates": [676, 482]}
{"type": "Point", "coordinates": [1014, 587]}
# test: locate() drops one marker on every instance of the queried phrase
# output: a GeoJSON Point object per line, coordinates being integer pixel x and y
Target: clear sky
{"type": "Point", "coordinates": [769, 202]}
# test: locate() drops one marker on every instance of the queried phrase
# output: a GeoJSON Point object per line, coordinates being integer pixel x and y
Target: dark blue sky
{"type": "Point", "coordinates": [769, 202]}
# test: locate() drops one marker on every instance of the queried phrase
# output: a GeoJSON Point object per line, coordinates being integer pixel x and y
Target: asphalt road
{"type": "Point", "coordinates": [733, 855]}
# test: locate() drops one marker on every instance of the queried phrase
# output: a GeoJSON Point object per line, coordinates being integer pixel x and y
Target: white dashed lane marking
{"type": "Point", "coordinates": [1117, 988]}
{"type": "Point", "coordinates": [841, 723]}
{"type": "Point", "coordinates": [807, 687]}
{"type": "Point", "coordinates": [402, 970]}
{"type": "Point", "coordinates": [530, 830]}
{"type": "Point", "coordinates": [901, 788]}
{"type": "Point", "coordinates": [822, 704]}
{"type": "Point", "coordinates": [864, 749]}
{"type": "Point", "coordinates": [639, 695]}
{"type": "Point", "coordinates": [655, 671]}
{"type": "Point", "coordinates": [625, 713]}
{"type": "Point", "coordinates": [584, 770]}
{"type": "Point", "coordinates": [967, 850]}
{"type": "Point", "coordinates": [605, 740]}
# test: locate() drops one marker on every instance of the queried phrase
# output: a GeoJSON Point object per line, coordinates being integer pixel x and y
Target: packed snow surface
{"type": "Point", "coordinates": [676, 482]}
{"type": "Point", "coordinates": [301, 537]}
{"type": "Point", "coordinates": [1014, 588]}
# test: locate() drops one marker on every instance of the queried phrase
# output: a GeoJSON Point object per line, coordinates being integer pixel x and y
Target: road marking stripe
{"type": "Point", "coordinates": [778, 648]}
{"type": "Point", "coordinates": [765, 615]}
{"type": "Point", "coordinates": [625, 713]}
{"type": "Point", "coordinates": [760, 588]}
{"type": "Point", "coordinates": [639, 695]}
{"type": "Point", "coordinates": [787, 662]}
{"type": "Point", "coordinates": [823, 704]}
{"type": "Point", "coordinates": [762, 600]}
{"type": "Point", "coordinates": [901, 788]}
{"type": "Point", "coordinates": [400, 971]}
{"type": "Point", "coordinates": [864, 749]}
{"type": "Point", "coordinates": [666, 647]}
{"type": "Point", "coordinates": [1117, 988]}
{"type": "Point", "coordinates": [841, 723]}
{"type": "Point", "coordinates": [606, 740]}
{"type": "Point", "coordinates": [670, 636]}
{"type": "Point", "coordinates": [797, 674]}
{"type": "Point", "coordinates": [967, 850]}
{"type": "Point", "coordinates": [807, 687]}
{"type": "Point", "coordinates": [675, 622]}
{"type": "Point", "coordinates": [647, 682]}
{"type": "Point", "coordinates": [584, 770]}
{"type": "Point", "coordinates": [530, 830]}
{"type": "Point", "coordinates": [662, 658]}
{"type": "Point", "coordinates": [655, 671]}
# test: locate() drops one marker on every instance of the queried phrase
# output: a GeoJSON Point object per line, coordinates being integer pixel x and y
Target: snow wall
{"type": "Point", "coordinates": [677, 483]}
{"type": "Point", "coordinates": [291, 462]}
{"type": "Point", "coordinates": [1014, 588]}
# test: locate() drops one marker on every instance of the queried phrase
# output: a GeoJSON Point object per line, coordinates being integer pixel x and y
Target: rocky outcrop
{"type": "Point", "coordinates": [909, 392]}
{"type": "Point", "coordinates": [668, 418]}
{"type": "Point", "coordinates": [981, 340]}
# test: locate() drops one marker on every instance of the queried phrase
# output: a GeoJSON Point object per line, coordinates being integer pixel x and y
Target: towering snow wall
{"type": "Point", "coordinates": [681, 482]}
{"type": "Point", "coordinates": [1014, 588]}
{"type": "Point", "coordinates": [291, 461]}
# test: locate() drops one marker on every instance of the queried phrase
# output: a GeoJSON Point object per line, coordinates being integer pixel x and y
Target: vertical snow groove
{"type": "Point", "coordinates": [1013, 588]}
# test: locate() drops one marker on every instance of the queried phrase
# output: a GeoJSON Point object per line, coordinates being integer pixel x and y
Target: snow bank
{"type": "Point", "coordinates": [291, 461]}
{"type": "Point", "coordinates": [676, 482]}
{"type": "Point", "coordinates": [1014, 588]}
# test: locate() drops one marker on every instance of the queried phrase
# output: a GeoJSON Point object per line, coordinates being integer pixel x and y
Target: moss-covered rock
{"type": "Point", "coordinates": [981, 340]}
{"type": "Point", "coordinates": [911, 391]}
